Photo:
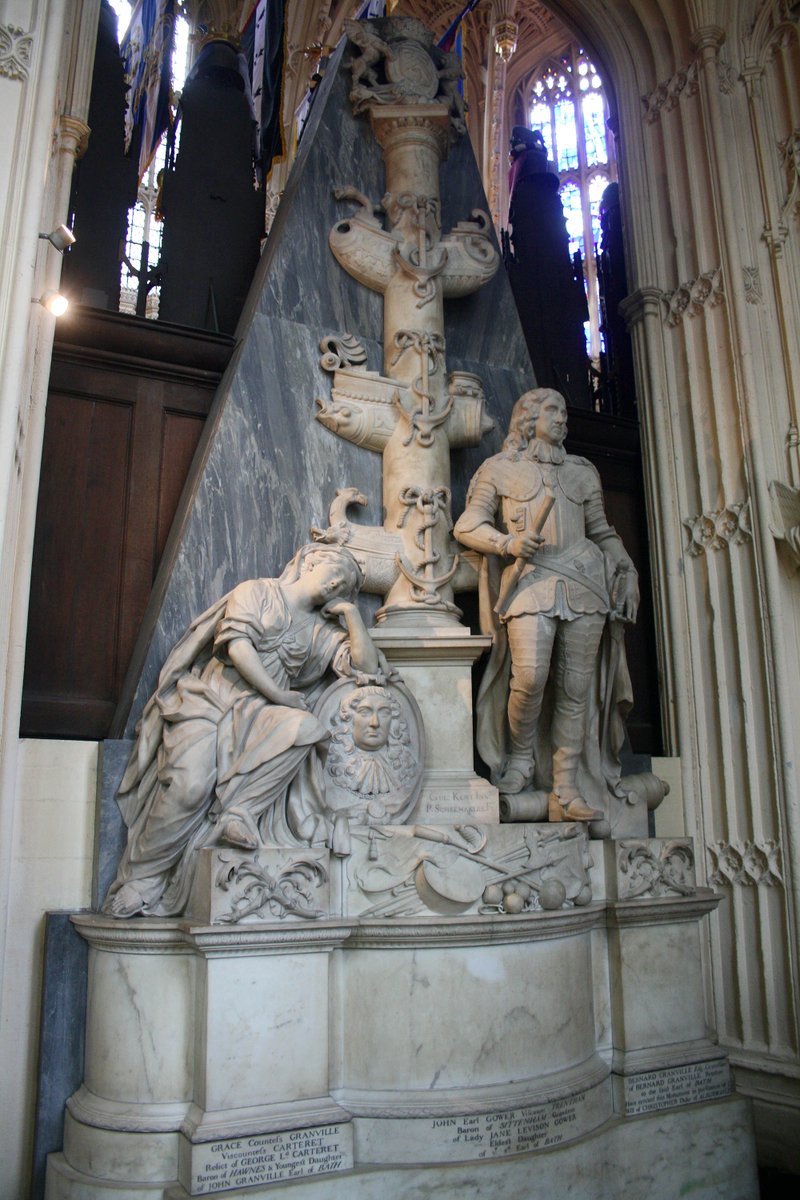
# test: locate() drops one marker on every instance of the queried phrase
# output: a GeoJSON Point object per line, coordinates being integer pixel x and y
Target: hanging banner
{"type": "Point", "coordinates": [263, 45]}
{"type": "Point", "coordinates": [146, 52]}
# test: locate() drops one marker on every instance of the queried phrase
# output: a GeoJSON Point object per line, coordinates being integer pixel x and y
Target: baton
{"type": "Point", "coordinates": [513, 577]}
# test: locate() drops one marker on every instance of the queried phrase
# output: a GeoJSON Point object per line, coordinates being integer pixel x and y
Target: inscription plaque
{"type": "Point", "coordinates": [444, 805]}
{"type": "Point", "coordinates": [674, 1086]}
{"type": "Point", "coordinates": [270, 1158]}
{"type": "Point", "coordinates": [484, 1135]}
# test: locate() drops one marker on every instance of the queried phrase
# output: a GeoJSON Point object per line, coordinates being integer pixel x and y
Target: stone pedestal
{"type": "Point", "coordinates": [437, 668]}
{"type": "Point", "coordinates": [482, 1054]}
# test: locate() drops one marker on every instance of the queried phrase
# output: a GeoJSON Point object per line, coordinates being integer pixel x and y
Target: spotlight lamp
{"type": "Point", "coordinates": [61, 237]}
{"type": "Point", "coordinates": [54, 302]}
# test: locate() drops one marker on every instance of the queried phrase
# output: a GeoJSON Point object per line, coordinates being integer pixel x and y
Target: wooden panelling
{"type": "Point", "coordinates": [126, 407]}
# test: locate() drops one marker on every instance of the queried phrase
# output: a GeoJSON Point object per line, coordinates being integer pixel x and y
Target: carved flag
{"type": "Point", "coordinates": [146, 52]}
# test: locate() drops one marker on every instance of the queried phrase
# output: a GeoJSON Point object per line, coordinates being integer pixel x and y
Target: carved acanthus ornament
{"type": "Point", "coordinates": [256, 893]}
{"type": "Point", "coordinates": [665, 96]}
{"type": "Point", "coordinates": [753, 293]}
{"type": "Point", "coordinates": [651, 868]}
{"type": "Point", "coordinates": [15, 52]}
{"type": "Point", "coordinates": [746, 863]}
{"type": "Point", "coordinates": [415, 412]}
{"type": "Point", "coordinates": [690, 298]}
{"type": "Point", "coordinates": [718, 529]}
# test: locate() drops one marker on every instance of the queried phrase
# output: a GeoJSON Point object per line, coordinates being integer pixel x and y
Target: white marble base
{"type": "Point", "coordinates": [705, 1151]}
{"type": "Point", "coordinates": [375, 1054]}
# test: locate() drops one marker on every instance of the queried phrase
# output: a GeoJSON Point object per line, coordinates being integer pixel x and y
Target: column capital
{"type": "Point", "coordinates": [708, 37]}
{"type": "Point", "coordinates": [73, 136]}
{"type": "Point", "coordinates": [643, 303]}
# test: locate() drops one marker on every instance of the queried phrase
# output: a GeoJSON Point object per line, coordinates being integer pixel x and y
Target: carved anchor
{"type": "Point", "coordinates": [431, 503]}
{"type": "Point", "coordinates": [412, 412]}
{"type": "Point", "coordinates": [422, 421]}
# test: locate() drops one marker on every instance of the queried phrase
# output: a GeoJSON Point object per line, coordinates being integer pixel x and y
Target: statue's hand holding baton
{"type": "Point", "coordinates": [528, 543]}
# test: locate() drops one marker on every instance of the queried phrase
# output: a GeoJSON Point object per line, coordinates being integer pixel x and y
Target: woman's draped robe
{"type": "Point", "coordinates": [209, 744]}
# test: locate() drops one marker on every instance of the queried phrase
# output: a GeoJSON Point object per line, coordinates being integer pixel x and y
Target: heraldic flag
{"type": "Point", "coordinates": [146, 52]}
{"type": "Point", "coordinates": [263, 45]}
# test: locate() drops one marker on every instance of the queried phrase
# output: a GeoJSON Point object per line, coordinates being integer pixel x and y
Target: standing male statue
{"type": "Point", "coordinates": [567, 584]}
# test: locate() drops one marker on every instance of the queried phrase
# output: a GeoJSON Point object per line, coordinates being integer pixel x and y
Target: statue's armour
{"type": "Point", "coordinates": [507, 494]}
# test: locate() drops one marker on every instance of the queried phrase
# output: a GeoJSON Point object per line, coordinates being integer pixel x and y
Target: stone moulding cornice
{"type": "Point", "coordinates": [785, 524]}
{"type": "Point", "coordinates": [719, 528]}
{"type": "Point", "coordinates": [100, 1113]}
{"type": "Point", "coordinates": [491, 1098]}
{"type": "Point", "coordinates": [746, 863]}
{"type": "Point", "coordinates": [659, 1058]}
{"type": "Point", "coordinates": [201, 1126]}
{"type": "Point", "coordinates": [475, 931]}
{"type": "Point", "coordinates": [179, 936]}
{"type": "Point", "coordinates": [145, 936]}
{"type": "Point", "coordinates": [16, 47]}
{"type": "Point", "coordinates": [665, 910]}
{"type": "Point", "coordinates": [689, 299]}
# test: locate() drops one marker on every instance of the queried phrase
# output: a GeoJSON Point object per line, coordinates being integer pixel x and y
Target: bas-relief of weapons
{"type": "Point", "coordinates": [414, 412]}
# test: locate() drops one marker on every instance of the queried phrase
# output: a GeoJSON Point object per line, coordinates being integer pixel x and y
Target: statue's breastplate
{"type": "Point", "coordinates": [526, 491]}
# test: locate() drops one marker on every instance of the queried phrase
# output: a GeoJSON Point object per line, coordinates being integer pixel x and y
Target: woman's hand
{"type": "Point", "coordinates": [291, 699]}
{"type": "Point", "coordinates": [339, 608]}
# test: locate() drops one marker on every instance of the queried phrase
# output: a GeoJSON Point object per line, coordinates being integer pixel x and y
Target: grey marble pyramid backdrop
{"type": "Point", "coordinates": [265, 470]}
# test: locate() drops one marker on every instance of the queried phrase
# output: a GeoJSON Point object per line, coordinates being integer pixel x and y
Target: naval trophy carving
{"type": "Point", "coordinates": [412, 870]}
{"type": "Point", "coordinates": [414, 412]}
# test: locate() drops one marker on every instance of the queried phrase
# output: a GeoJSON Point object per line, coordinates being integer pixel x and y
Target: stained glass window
{"type": "Point", "coordinates": [566, 102]}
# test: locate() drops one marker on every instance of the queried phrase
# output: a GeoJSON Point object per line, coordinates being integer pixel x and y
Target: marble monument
{"type": "Point", "coordinates": [325, 967]}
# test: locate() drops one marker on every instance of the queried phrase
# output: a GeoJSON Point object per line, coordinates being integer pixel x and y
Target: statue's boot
{"type": "Point", "coordinates": [517, 774]}
{"type": "Point", "coordinates": [565, 801]}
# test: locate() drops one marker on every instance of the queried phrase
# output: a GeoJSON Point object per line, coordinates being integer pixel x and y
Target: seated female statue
{"type": "Point", "coordinates": [229, 727]}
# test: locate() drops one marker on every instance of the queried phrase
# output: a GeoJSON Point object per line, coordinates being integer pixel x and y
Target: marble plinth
{"type": "Point", "coordinates": [705, 1151]}
{"type": "Point", "coordinates": [436, 666]}
{"type": "Point", "coordinates": [488, 1055]}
